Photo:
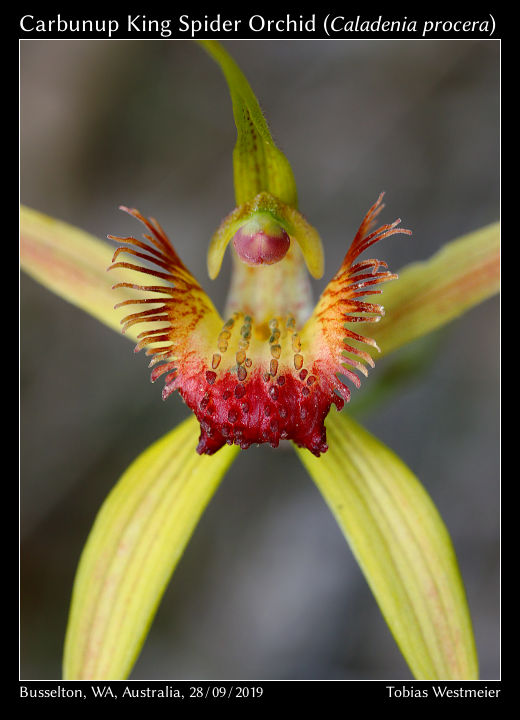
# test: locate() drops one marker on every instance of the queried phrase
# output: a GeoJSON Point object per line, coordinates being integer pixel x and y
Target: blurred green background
{"type": "Point", "coordinates": [268, 587]}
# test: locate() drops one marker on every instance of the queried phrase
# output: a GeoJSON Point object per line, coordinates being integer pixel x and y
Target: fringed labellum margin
{"type": "Point", "coordinates": [256, 377]}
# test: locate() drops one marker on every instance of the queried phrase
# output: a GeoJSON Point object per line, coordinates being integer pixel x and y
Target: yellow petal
{"type": "Point", "coordinates": [73, 264]}
{"type": "Point", "coordinates": [137, 539]}
{"type": "Point", "coordinates": [402, 546]}
{"type": "Point", "coordinates": [430, 294]}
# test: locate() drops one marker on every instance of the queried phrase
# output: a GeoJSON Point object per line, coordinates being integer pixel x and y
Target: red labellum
{"type": "Point", "coordinates": [259, 412]}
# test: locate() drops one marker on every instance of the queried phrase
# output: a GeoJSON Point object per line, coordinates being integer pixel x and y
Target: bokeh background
{"type": "Point", "coordinates": [267, 587]}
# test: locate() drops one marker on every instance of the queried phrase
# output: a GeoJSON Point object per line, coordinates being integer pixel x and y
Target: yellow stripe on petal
{"type": "Point", "coordinates": [403, 548]}
{"type": "Point", "coordinates": [429, 294]}
{"type": "Point", "coordinates": [73, 264]}
{"type": "Point", "coordinates": [137, 539]}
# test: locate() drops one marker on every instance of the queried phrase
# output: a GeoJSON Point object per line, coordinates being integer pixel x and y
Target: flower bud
{"type": "Point", "coordinates": [261, 241]}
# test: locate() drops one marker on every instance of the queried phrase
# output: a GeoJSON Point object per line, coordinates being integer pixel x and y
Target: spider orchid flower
{"type": "Point", "coordinates": [269, 372]}
{"type": "Point", "coordinates": [268, 369]}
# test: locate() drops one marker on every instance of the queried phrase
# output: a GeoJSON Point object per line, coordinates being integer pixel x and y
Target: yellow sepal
{"type": "Point", "coordinates": [402, 546]}
{"type": "Point", "coordinates": [137, 539]}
